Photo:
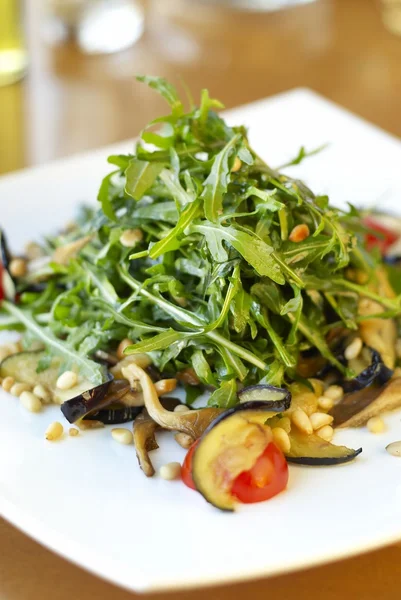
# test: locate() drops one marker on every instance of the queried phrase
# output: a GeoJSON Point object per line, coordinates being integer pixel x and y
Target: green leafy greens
{"type": "Point", "coordinates": [214, 282]}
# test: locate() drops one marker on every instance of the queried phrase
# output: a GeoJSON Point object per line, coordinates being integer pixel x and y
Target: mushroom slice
{"type": "Point", "coordinates": [144, 430]}
{"type": "Point", "coordinates": [193, 422]}
{"type": "Point", "coordinates": [357, 408]}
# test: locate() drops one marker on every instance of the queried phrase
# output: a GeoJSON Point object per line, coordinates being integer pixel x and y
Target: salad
{"type": "Point", "coordinates": [206, 270]}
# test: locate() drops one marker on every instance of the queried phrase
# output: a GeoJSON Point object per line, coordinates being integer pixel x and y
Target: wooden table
{"type": "Point", "coordinates": [70, 102]}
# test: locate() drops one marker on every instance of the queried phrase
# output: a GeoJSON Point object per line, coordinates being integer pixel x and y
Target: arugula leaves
{"type": "Point", "coordinates": [214, 282]}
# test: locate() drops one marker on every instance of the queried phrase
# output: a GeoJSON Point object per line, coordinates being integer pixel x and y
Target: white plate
{"type": "Point", "coordinates": [85, 497]}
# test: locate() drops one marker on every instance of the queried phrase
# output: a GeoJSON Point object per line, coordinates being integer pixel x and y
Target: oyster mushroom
{"type": "Point", "coordinates": [193, 422]}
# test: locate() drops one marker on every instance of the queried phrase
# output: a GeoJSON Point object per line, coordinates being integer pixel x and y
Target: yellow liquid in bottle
{"type": "Point", "coordinates": [13, 57]}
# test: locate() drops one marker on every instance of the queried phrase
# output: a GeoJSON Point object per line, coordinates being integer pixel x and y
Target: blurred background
{"type": "Point", "coordinates": [67, 67]}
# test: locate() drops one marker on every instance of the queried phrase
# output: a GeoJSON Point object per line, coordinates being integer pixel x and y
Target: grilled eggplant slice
{"type": "Point", "coordinates": [314, 451]}
{"type": "Point", "coordinates": [376, 372]}
{"type": "Point", "coordinates": [231, 444]}
{"type": "Point", "coordinates": [23, 367]}
{"type": "Point", "coordinates": [268, 394]}
{"type": "Point", "coordinates": [115, 414]}
{"type": "Point", "coordinates": [357, 408]}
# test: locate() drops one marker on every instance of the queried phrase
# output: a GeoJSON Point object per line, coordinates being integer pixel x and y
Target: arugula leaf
{"type": "Point", "coordinates": [254, 250]}
{"type": "Point", "coordinates": [104, 196]}
{"type": "Point", "coordinates": [141, 175]}
{"type": "Point", "coordinates": [216, 184]}
{"type": "Point", "coordinates": [225, 396]}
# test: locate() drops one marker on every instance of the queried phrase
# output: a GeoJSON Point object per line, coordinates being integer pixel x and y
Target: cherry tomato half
{"type": "Point", "coordinates": [383, 240]}
{"type": "Point", "coordinates": [186, 469]}
{"type": "Point", "coordinates": [268, 477]}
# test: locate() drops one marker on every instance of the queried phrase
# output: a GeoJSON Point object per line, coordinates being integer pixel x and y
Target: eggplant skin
{"type": "Point", "coordinates": [313, 451]}
{"type": "Point", "coordinates": [116, 415]}
{"type": "Point", "coordinates": [376, 372]}
{"type": "Point", "coordinates": [322, 461]}
{"type": "Point", "coordinates": [269, 394]}
{"type": "Point", "coordinates": [88, 401]}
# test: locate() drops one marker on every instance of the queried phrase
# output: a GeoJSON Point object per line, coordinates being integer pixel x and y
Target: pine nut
{"type": "Point", "coordinates": [90, 424]}
{"type": "Point", "coordinates": [301, 420]}
{"type": "Point", "coordinates": [319, 420]}
{"type": "Point", "coordinates": [282, 439]}
{"type": "Point", "coordinates": [122, 436]}
{"type": "Point", "coordinates": [299, 233]}
{"type": "Point", "coordinates": [33, 251]}
{"type": "Point", "coordinates": [30, 402]}
{"type": "Point", "coordinates": [335, 392]}
{"type": "Point", "coordinates": [170, 471]}
{"type": "Point", "coordinates": [164, 386]}
{"type": "Point", "coordinates": [325, 403]}
{"type": "Point", "coordinates": [376, 425]}
{"type": "Point", "coordinates": [394, 448]}
{"type": "Point", "coordinates": [181, 408]}
{"type": "Point", "coordinates": [17, 267]}
{"type": "Point", "coordinates": [130, 237]}
{"type": "Point", "coordinates": [122, 346]}
{"type": "Point", "coordinates": [237, 165]}
{"type": "Point", "coordinates": [18, 388]}
{"type": "Point", "coordinates": [73, 432]}
{"type": "Point", "coordinates": [67, 380]}
{"type": "Point", "coordinates": [54, 431]}
{"type": "Point", "coordinates": [41, 392]}
{"type": "Point", "coordinates": [326, 433]}
{"type": "Point", "coordinates": [8, 383]}
{"type": "Point", "coordinates": [354, 349]}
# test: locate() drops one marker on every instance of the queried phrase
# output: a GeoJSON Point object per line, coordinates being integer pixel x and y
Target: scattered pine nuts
{"type": "Point", "coordinates": [181, 408]}
{"type": "Point", "coordinates": [394, 448]}
{"type": "Point", "coordinates": [18, 388]}
{"type": "Point", "coordinates": [122, 436]}
{"type": "Point", "coordinates": [8, 383]}
{"type": "Point", "coordinates": [319, 420]}
{"type": "Point", "coordinates": [54, 431]}
{"type": "Point", "coordinates": [299, 233]}
{"type": "Point", "coordinates": [170, 471]}
{"type": "Point", "coordinates": [325, 403]}
{"type": "Point", "coordinates": [353, 349]}
{"type": "Point", "coordinates": [282, 439]}
{"type": "Point", "coordinates": [302, 421]}
{"type": "Point", "coordinates": [41, 392]}
{"type": "Point", "coordinates": [130, 237]}
{"type": "Point", "coordinates": [67, 380]}
{"type": "Point", "coordinates": [30, 402]}
{"type": "Point", "coordinates": [237, 165]}
{"type": "Point", "coordinates": [335, 392]}
{"type": "Point", "coordinates": [122, 346]}
{"type": "Point", "coordinates": [73, 432]}
{"type": "Point", "coordinates": [376, 425]}
{"type": "Point", "coordinates": [326, 433]}
{"type": "Point", "coordinates": [17, 267]}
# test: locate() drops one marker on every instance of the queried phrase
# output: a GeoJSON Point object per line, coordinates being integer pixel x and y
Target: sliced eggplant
{"type": "Point", "coordinates": [376, 372]}
{"type": "Point", "coordinates": [94, 399]}
{"type": "Point", "coordinates": [115, 414]}
{"type": "Point", "coordinates": [357, 408]}
{"type": "Point", "coordinates": [230, 445]}
{"type": "Point", "coordinates": [23, 367]}
{"type": "Point", "coordinates": [314, 451]}
{"type": "Point", "coordinates": [278, 398]}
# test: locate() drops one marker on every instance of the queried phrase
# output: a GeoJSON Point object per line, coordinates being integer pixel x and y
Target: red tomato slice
{"type": "Point", "coordinates": [186, 469]}
{"type": "Point", "coordinates": [384, 240]}
{"type": "Point", "coordinates": [268, 477]}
